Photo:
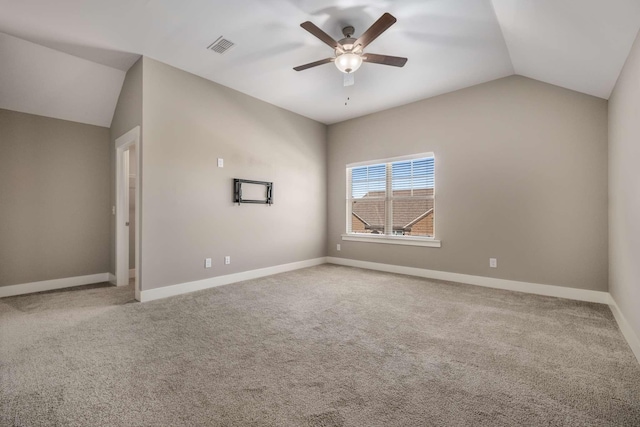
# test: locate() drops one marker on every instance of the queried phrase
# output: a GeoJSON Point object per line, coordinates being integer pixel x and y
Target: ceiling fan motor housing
{"type": "Point", "coordinates": [346, 45]}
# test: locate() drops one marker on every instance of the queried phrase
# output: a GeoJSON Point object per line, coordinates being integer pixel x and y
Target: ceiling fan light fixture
{"type": "Point", "coordinates": [348, 62]}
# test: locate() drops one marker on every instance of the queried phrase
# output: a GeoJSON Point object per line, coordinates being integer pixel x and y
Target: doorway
{"type": "Point", "coordinates": [131, 220]}
{"type": "Point", "coordinates": [128, 210]}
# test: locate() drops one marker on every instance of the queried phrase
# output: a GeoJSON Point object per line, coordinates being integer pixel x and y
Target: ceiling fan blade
{"type": "Point", "coordinates": [395, 61]}
{"type": "Point", "coordinates": [313, 29]}
{"type": "Point", "coordinates": [313, 64]}
{"type": "Point", "coordinates": [378, 27]}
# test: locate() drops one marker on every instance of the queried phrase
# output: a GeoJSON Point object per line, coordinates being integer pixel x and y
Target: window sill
{"type": "Point", "coordinates": [392, 240]}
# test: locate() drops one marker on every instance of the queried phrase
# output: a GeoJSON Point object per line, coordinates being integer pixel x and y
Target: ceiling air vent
{"type": "Point", "coordinates": [221, 45]}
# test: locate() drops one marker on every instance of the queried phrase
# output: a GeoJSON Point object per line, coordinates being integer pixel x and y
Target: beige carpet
{"type": "Point", "coordinates": [324, 346]}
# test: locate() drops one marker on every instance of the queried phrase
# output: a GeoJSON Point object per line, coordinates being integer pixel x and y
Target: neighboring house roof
{"type": "Point", "coordinates": [360, 218]}
{"type": "Point", "coordinates": [409, 225]}
{"type": "Point", "coordinates": [407, 209]}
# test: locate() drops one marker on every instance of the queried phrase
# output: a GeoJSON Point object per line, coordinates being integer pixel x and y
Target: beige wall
{"type": "Point", "coordinates": [624, 190]}
{"type": "Point", "coordinates": [54, 198]}
{"type": "Point", "coordinates": [189, 213]}
{"type": "Point", "coordinates": [521, 175]}
{"type": "Point", "coordinates": [128, 114]}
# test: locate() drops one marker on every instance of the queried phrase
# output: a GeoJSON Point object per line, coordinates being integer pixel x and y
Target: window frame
{"type": "Point", "coordinates": [428, 241]}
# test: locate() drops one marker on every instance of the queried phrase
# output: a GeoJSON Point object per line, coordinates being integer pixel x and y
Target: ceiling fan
{"type": "Point", "coordinates": [348, 51]}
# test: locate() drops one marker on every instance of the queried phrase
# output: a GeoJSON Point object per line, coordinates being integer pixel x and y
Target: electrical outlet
{"type": "Point", "coordinates": [227, 260]}
{"type": "Point", "coordinates": [220, 163]}
{"type": "Point", "coordinates": [207, 263]}
{"type": "Point", "coordinates": [493, 262]}
{"type": "Point", "coordinates": [338, 247]}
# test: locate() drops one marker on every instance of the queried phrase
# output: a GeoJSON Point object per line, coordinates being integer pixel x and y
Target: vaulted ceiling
{"type": "Point", "coordinates": [451, 44]}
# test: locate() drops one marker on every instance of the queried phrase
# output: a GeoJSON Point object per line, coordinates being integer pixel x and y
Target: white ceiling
{"type": "Point", "coordinates": [37, 80]}
{"type": "Point", "coordinates": [577, 44]}
{"type": "Point", "coordinates": [451, 44]}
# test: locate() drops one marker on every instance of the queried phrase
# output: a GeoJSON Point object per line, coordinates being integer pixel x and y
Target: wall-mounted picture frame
{"type": "Point", "coordinates": [250, 191]}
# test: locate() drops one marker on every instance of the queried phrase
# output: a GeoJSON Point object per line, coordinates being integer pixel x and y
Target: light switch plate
{"type": "Point", "coordinates": [220, 163]}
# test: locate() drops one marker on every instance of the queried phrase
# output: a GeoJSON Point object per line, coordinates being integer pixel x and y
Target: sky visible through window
{"type": "Point", "coordinates": [406, 175]}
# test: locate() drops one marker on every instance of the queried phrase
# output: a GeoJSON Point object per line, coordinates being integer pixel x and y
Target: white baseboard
{"type": "Point", "coordinates": [198, 285]}
{"type": "Point", "coordinates": [132, 273]}
{"type": "Point", "coordinates": [489, 282]}
{"type": "Point", "coordinates": [48, 285]}
{"type": "Point", "coordinates": [625, 328]}
{"type": "Point", "coordinates": [112, 279]}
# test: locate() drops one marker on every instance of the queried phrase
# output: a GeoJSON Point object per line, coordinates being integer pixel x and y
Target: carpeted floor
{"type": "Point", "coordinates": [324, 346]}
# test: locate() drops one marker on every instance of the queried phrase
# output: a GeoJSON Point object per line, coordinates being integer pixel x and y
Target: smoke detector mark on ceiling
{"type": "Point", "coordinates": [221, 45]}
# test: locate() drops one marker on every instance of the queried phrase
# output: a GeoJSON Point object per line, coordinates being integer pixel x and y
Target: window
{"type": "Point", "coordinates": [391, 201]}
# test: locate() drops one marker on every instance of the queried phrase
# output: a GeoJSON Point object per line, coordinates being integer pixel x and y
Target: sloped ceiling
{"type": "Point", "coordinates": [38, 80]}
{"type": "Point", "coordinates": [577, 44]}
{"type": "Point", "coordinates": [451, 44]}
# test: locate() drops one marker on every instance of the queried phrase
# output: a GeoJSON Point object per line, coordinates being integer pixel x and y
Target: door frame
{"type": "Point", "coordinates": [123, 144]}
